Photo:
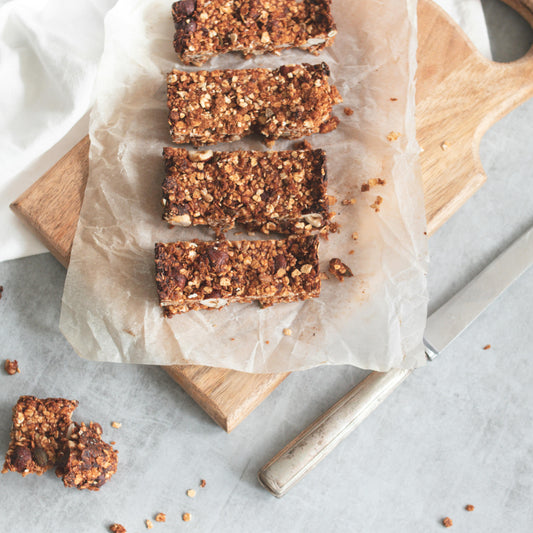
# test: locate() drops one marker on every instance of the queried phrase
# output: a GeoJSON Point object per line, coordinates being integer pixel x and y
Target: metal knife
{"type": "Point", "coordinates": [312, 445]}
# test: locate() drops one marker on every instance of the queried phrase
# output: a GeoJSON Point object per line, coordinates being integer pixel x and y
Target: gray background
{"type": "Point", "coordinates": [457, 432]}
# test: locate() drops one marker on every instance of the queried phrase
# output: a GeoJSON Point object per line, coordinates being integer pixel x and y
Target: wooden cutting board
{"type": "Point", "coordinates": [459, 96]}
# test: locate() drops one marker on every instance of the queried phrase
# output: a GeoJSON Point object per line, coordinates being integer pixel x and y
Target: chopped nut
{"type": "Point", "coordinates": [339, 269]}
{"type": "Point", "coordinates": [160, 517]}
{"type": "Point", "coordinates": [200, 156]}
{"type": "Point", "coordinates": [348, 111]}
{"type": "Point", "coordinates": [393, 136]}
{"type": "Point", "coordinates": [355, 235]}
{"type": "Point", "coordinates": [447, 522]}
{"type": "Point", "coordinates": [469, 508]}
{"type": "Point", "coordinates": [191, 493]}
{"type": "Point", "coordinates": [487, 347]}
{"type": "Point", "coordinates": [117, 528]}
{"type": "Point", "coordinates": [306, 269]}
{"type": "Point", "coordinates": [444, 146]}
{"type": "Point", "coordinates": [11, 367]}
{"type": "Point", "coordinates": [149, 524]}
{"type": "Point", "coordinates": [186, 517]}
{"type": "Point", "coordinates": [116, 425]}
{"type": "Point", "coordinates": [203, 483]}
{"type": "Point", "coordinates": [287, 332]}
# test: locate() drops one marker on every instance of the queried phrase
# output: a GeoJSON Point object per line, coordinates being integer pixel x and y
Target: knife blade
{"type": "Point", "coordinates": [315, 442]}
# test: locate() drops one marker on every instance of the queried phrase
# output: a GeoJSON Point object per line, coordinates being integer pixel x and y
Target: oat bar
{"type": "Point", "coordinates": [225, 105]}
{"type": "Point", "coordinates": [206, 275]}
{"type": "Point", "coordinates": [87, 462]}
{"type": "Point", "coordinates": [38, 433]}
{"type": "Point", "coordinates": [205, 28]}
{"type": "Point", "coordinates": [282, 192]}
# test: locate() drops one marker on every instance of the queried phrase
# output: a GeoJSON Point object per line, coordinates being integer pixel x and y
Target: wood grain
{"type": "Point", "coordinates": [459, 96]}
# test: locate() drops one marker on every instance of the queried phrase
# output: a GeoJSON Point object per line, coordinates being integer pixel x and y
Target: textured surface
{"type": "Point", "coordinates": [457, 432]}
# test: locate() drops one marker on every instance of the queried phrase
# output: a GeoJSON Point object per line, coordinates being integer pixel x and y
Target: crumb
{"type": "Point", "coordinates": [339, 269]}
{"type": "Point", "coordinates": [191, 493]}
{"type": "Point", "coordinates": [349, 201]}
{"type": "Point", "coordinates": [393, 136]}
{"type": "Point", "coordinates": [365, 187]}
{"type": "Point", "coordinates": [11, 367]}
{"type": "Point", "coordinates": [203, 483]}
{"type": "Point", "coordinates": [334, 227]}
{"type": "Point", "coordinates": [287, 332]}
{"type": "Point", "coordinates": [149, 524]}
{"type": "Point", "coordinates": [447, 522]}
{"type": "Point", "coordinates": [394, 99]}
{"type": "Point", "coordinates": [238, 233]}
{"type": "Point", "coordinates": [251, 233]}
{"type": "Point", "coordinates": [323, 276]}
{"type": "Point", "coordinates": [270, 143]}
{"type": "Point", "coordinates": [444, 146]}
{"type": "Point", "coordinates": [186, 517]}
{"type": "Point", "coordinates": [351, 252]}
{"type": "Point", "coordinates": [487, 347]}
{"type": "Point", "coordinates": [112, 443]}
{"type": "Point", "coordinates": [1, 291]}
{"type": "Point", "coordinates": [378, 201]}
{"type": "Point", "coordinates": [469, 508]}
{"type": "Point", "coordinates": [355, 235]}
{"type": "Point", "coordinates": [331, 200]}
{"type": "Point", "coordinates": [232, 339]}
{"type": "Point", "coordinates": [267, 342]}
{"type": "Point", "coordinates": [348, 111]}
{"type": "Point", "coordinates": [116, 425]}
{"type": "Point", "coordinates": [160, 517]}
{"type": "Point", "coordinates": [425, 232]}
{"type": "Point", "coordinates": [303, 145]}
{"type": "Point", "coordinates": [117, 528]}
{"type": "Point", "coordinates": [372, 182]}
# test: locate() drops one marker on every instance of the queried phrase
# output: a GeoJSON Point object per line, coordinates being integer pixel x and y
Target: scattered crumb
{"type": "Point", "coordinates": [447, 522]}
{"type": "Point", "coordinates": [469, 508]}
{"type": "Point", "coordinates": [1, 291]}
{"type": "Point", "coordinates": [238, 233]}
{"type": "Point", "coordinates": [393, 99]}
{"type": "Point", "coordinates": [267, 342]}
{"type": "Point", "coordinates": [348, 111]}
{"type": "Point", "coordinates": [203, 483]}
{"type": "Point", "coordinates": [334, 227]}
{"type": "Point", "coordinates": [270, 143]}
{"type": "Point", "coordinates": [444, 146]}
{"type": "Point", "coordinates": [251, 233]}
{"type": "Point", "coordinates": [303, 145]}
{"type": "Point", "coordinates": [351, 252]}
{"type": "Point", "coordinates": [149, 524]}
{"type": "Point", "coordinates": [339, 269]}
{"type": "Point", "coordinates": [117, 528]}
{"type": "Point", "coordinates": [365, 187]}
{"type": "Point", "coordinates": [323, 276]}
{"type": "Point", "coordinates": [112, 443]}
{"type": "Point", "coordinates": [287, 332]}
{"type": "Point", "coordinates": [425, 232]}
{"type": "Point", "coordinates": [232, 339]}
{"type": "Point", "coordinates": [349, 201]}
{"type": "Point", "coordinates": [393, 136]}
{"type": "Point", "coordinates": [191, 493]}
{"type": "Point", "coordinates": [332, 200]}
{"type": "Point", "coordinates": [186, 517]}
{"type": "Point", "coordinates": [11, 367]}
{"type": "Point", "coordinates": [377, 202]}
{"type": "Point", "coordinates": [487, 347]}
{"type": "Point", "coordinates": [355, 235]}
{"type": "Point", "coordinates": [160, 517]}
{"type": "Point", "coordinates": [116, 425]}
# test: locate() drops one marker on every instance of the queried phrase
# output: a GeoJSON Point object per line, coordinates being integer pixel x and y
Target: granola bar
{"type": "Point", "coordinates": [284, 192]}
{"type": "Point", "coordinates": [87, 462]}
{"type": "Point", "coordinates": [226, 105]}
{"type": "Point", "coordinates": [206, 275]}
{"type": "Point", "coordinates": [38, 434]}
{"type": "Point", "coordinates": [205, 28]}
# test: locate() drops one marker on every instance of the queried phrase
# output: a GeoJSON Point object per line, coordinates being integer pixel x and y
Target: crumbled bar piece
{"type": "Point", "coordinates": [116, 425]}
{"type": "Point", "coordinates": [186, 517]}
{"type": "Point", "coordinates": [87, 462]}
{"type": "Point", "coordinates": [38, 433]}
{"type": "Point", "coordinates": [447, 522]}
{"type": "Point", "coordinates": [377, 202]}
{"type": "Point", "coordinates": [203, 483]}
{"type": "Point", "coordinates": [205, 28]}
{"type": "Point", "coordinates": [292, 101]}
{"type": "Point", "coordinates": [303, 145]}
{"type": "Point", "coordinates": [487, 347]}
{"type": "Point", "coordinates": [191, 493]}
{"type": "Point", "coordinates": [348, 111]}
{"type": "Point", "coordinates": [117, 528]}
{"type": "Point", "coordinates": [11, 367]}
{"type": "Point", "coordinates": [160, 517]}
{"type": "Point", "coordinates": [283, 192]}
{"type": "Point", "coordinates": [365, 187]}
{"type": "Point", "coordinates": [208, 275]}
{"type": "Point", "coordinates": [339, 269]}
{"type": "Point", "coordinates": [149, 524]}
{"type": "Point", "coordinates": [469, 508]}
{"type": "Point", "coordinates": [393, 136]}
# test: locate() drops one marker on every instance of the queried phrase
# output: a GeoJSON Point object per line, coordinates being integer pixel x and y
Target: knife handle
{"type": "Point", "coordinates": [312, 445]}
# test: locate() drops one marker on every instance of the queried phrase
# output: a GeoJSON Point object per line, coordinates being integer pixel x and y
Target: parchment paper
{"type": "Point", "coordinates": [374, 320]}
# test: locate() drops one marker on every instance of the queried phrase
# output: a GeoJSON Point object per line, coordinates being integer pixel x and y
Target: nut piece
{"type": "Point", "coordinates": [186, 517]}
{"type": "Point", "coordinates": [149, 524]}
{"type": "Point", "coordinates": [116, 425]}
{"type": "Point", "coordinates": [447, 522]}
{"type": "Point", "coordinates": [117, 528]}
{"type": "Point", "coordinates": [11, 367]}
{"type": "Point", "coordinates": [339, 269]}
{"type": "Point", "coordinates": [160, 517]}
{"type": "Point", "coordinates": [191, 493]}
{"type": "Point", "coordinates": [201, 156]}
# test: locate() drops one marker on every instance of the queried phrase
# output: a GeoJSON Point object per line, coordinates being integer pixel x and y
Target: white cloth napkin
{"type": "Point", "coordinates": [49, 54]}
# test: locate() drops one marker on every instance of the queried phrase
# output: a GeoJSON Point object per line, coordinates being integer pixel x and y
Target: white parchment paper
{"type": "Point", "coordinates": [374, 320]}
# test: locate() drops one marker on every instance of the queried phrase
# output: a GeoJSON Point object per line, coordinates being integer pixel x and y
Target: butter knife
{"type": "Point", "coordinates": [312, 445]}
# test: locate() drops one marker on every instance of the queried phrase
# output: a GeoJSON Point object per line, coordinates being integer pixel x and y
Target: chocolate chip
{"type": "Point", "coordinates": [280, 262]}
{"type": "Point", "coordinates": [215, 293]}
{"type": "Point", "coordinates": [186, 26]}
{"type": "Point", "coordinates": [218, 258]}
{"type": "Point", "coordinates": [185, 7]}
{"type": "Point", "coordinates": [21, 458]}
{"type": "Point", "coordinates": [39, 456]}
{"type": "Point", "coordinates": [181, 281]}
